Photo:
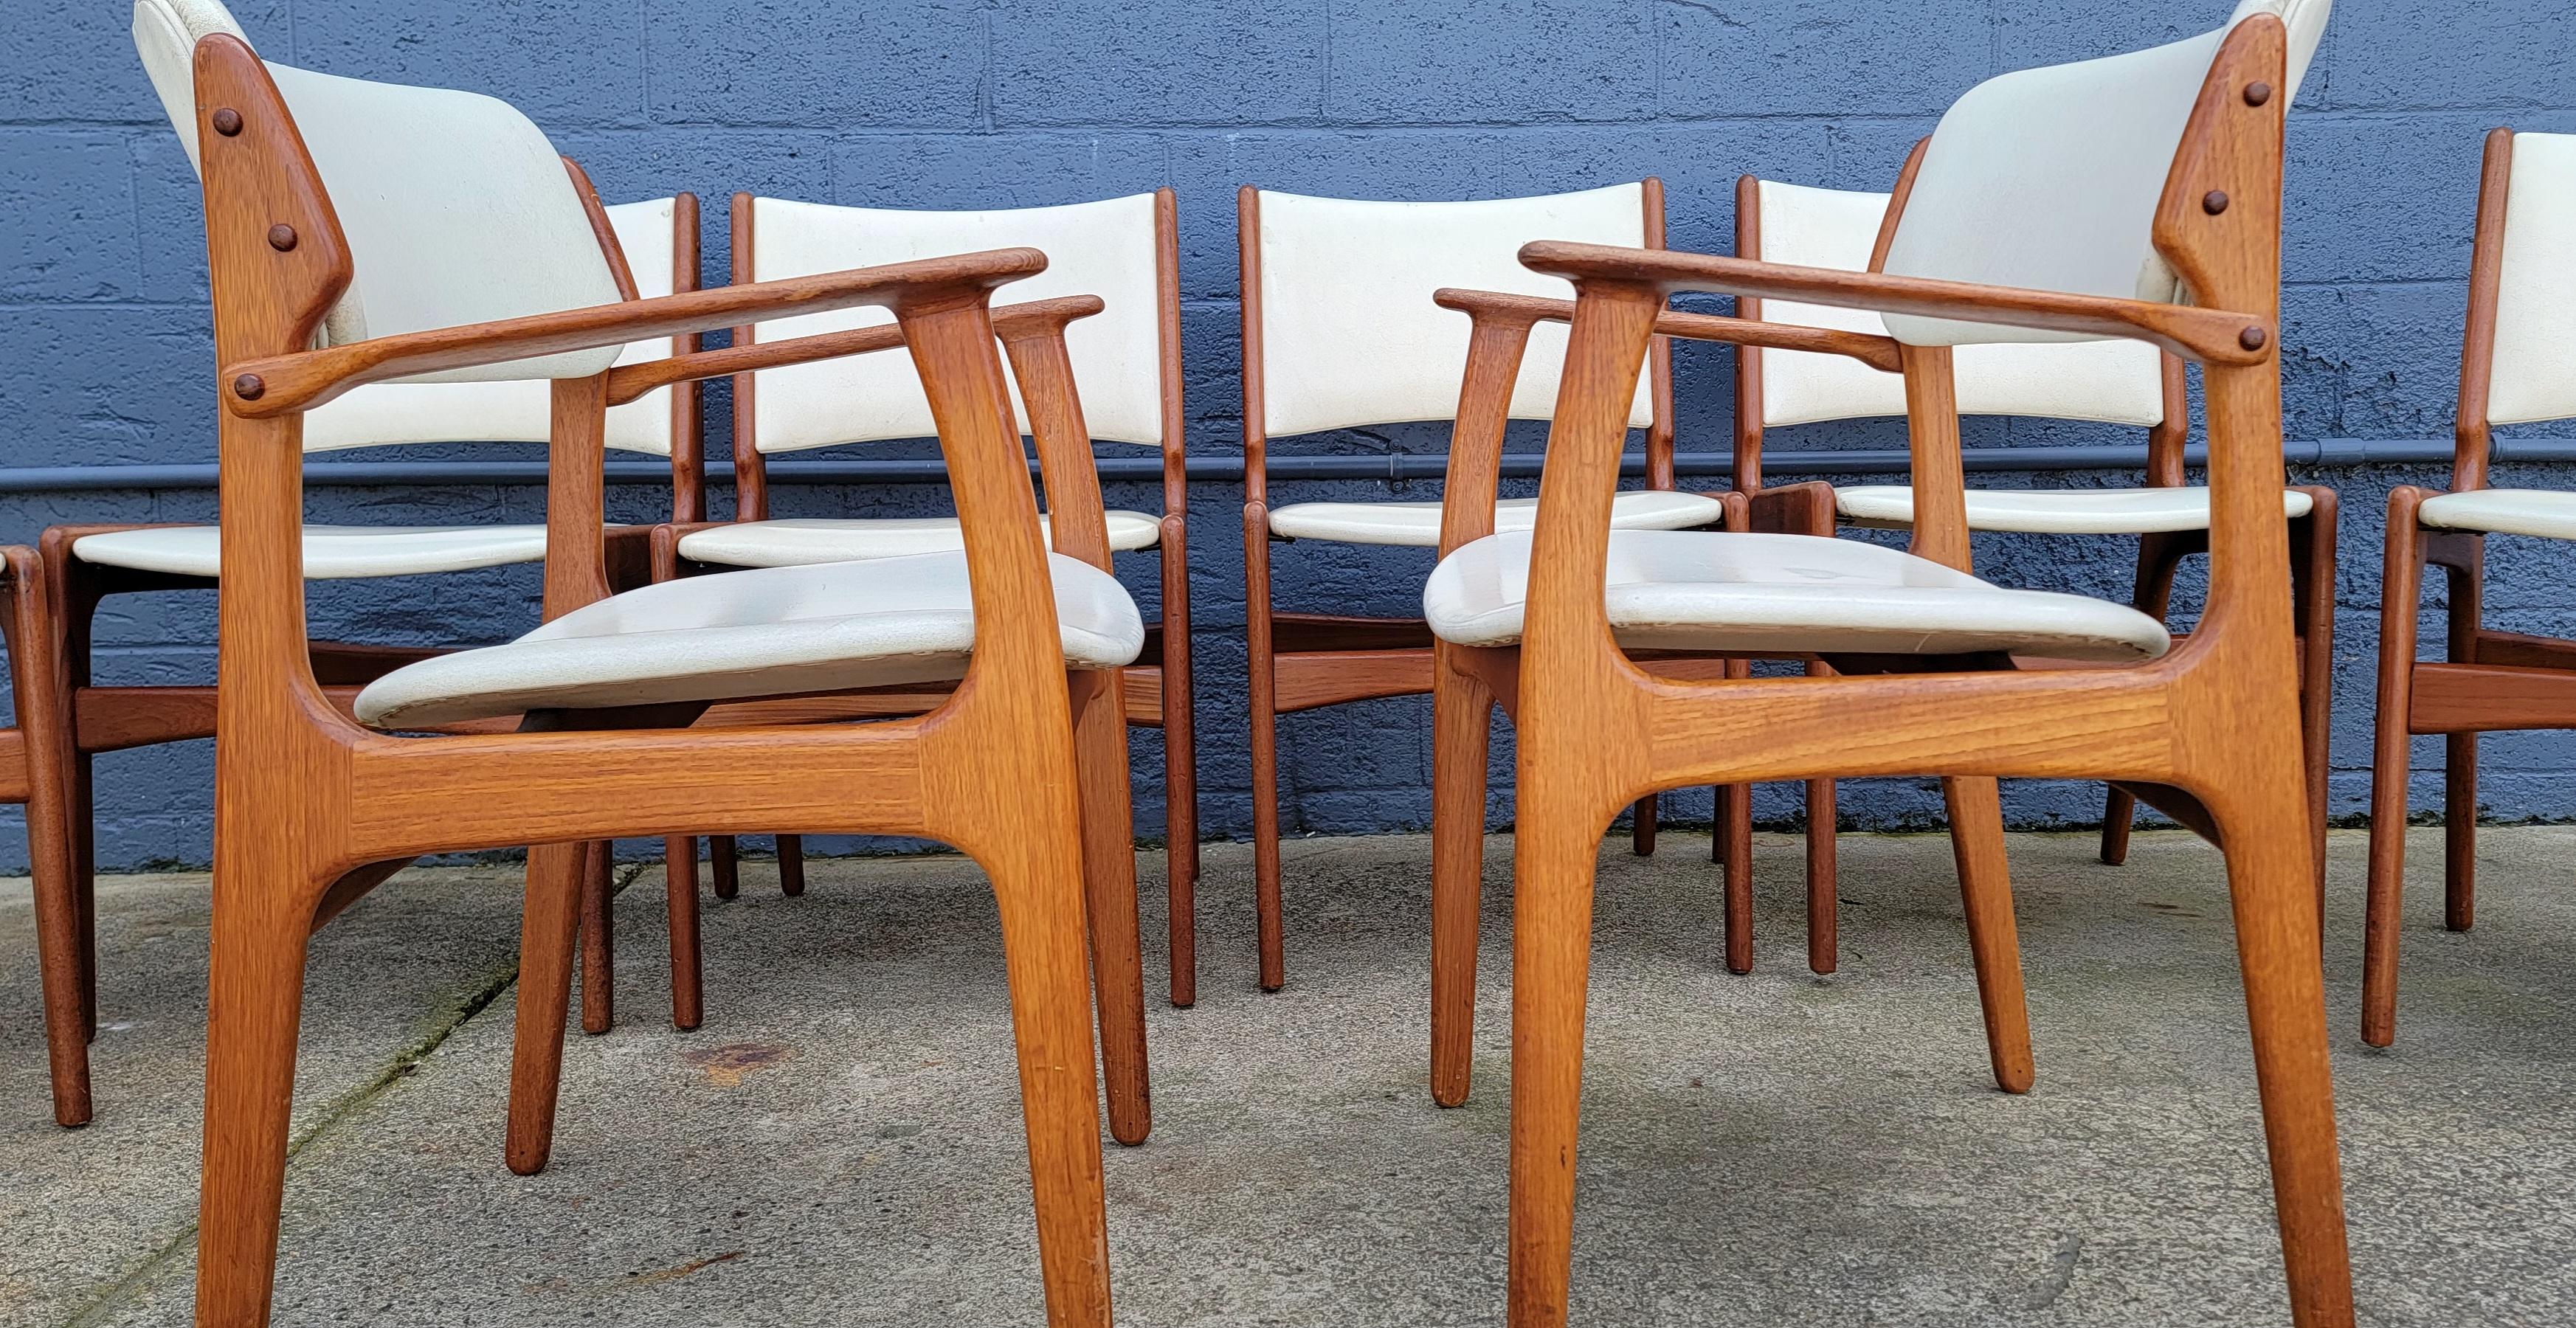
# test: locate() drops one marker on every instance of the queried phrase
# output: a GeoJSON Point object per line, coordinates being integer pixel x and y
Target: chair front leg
{"type": "Point", "coordinates": [44, 724]}
{"type": "Point", "coordinates": [1824, 890]}
{"type": "Point", "coordinates": [263, 915]}
{"type": "Point", "coordinates": [1985, 889]}
{"type": "Point", "coordinates": [2260, 819]}
{"type": "Point", "coordinates": [2400, 594]}
{"type": "Point", "coordinates": [1109, 896]}
{"type": "Point", "coordinates": [1462, 708]}
{"type": "Point", "coordinates": [1180, 766]}
{"type": "Point", "coordinates": [598, 940]}
{"type": "Point", "coordinates": [558, 876]}
{"type": "Point", "coordinates": [2314, 589]}
{"type": "Point", "coordinates": [1554, 855]}
{"type": "Point", "coordinates": [1641, 825]}
{"type": "Point", "coordinates": [1731, 845]}
{"type": "Point", "coordinates": [2460, 753]}
{"type": "Point", "coordinates": [1271, 925]}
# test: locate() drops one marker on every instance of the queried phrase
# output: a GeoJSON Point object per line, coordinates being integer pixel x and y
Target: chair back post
{"type": "Point", "coordinates": [1659, 359]}
{"type": "Point", "coordinates": [1256, 429]}
{"type": "Point", "coordinates": [2474, 444]}
{"type": "Point", "coordinates": [576, 492]}
{"type": "Point", "coordinates": [2229, 257]}
{"type": "Point", "coordinates": [267, 301]}
{"type": "Point", "coordinates": [1940, 478]}
{"type": "Point", "coordinates": [750, 472]}
{"type": "Point", "coordinates": [688, 428]}
{"type": "Point", "coordinates": [1747, 457]}
{"type": "Point", "coordinates": [2165, 439]}
{"type": "Point", "coordinates": [1167, 312]}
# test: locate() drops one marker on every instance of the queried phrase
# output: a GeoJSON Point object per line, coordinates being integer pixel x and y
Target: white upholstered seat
{"type": "Point", "coordinates": [330, 552]}
{"type": "Point", "coordinates": [1787, 594]}
{"type": "Point", "coordinates": [2055, 511]}
{"type": "Point", "coordinates": [764, 632]}
{"type": "Point", "coordinates": [2548, 513]}
{"type": "Point", "coordinates": [787, 542]}
{"type": "Point", "coordinates": [1417, 525]}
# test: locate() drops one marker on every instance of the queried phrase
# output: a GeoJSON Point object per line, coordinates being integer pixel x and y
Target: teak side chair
{"type": "Point", "coordinates": [2051, 203]}
{"type": "Point", "coordinates": [2515, 364]}
{"type": "Point", "coordinates": [652, 249]}
{"type": "Point", "coordinates": [1339, 332]}
{"type": "Point", "coordinates": [1127, 362]}
{"type": "Point", "coordinates": [447, 217]}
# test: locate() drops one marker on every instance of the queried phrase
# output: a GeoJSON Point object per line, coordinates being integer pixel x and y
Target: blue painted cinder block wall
{"type": "Point", "coordinates": [104, 353]}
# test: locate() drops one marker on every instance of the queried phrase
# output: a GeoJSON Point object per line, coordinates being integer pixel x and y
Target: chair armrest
{"type": "Point", "coordinates": [627, 382]}
{"type": "Point", "coordinates": [2211, 336]}
{"type": "Point", "coordinates": [283, 384]}
{"type": "Point", "coordinates": [1878, 352]}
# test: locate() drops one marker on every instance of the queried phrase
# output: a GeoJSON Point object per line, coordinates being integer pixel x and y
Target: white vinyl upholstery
{"type": "Point", "coordinates": [1417, 525]}
{"type": "Point", "coordinates": [2534, 377]}
{"type": "Point", "coordinates": [1349, 335]}
{"type": "Point", "coordinates": [423, 181]}
{"type": "Point", "coordinates": [734, 635]}
{"type": "Point", "coordinates": [2547, 513]}
{"type": "Point", "coordinates": [1107, 248]}
{"type": "Point", "coordinates": [380, 414]}
{"type": "Point", "coordinates": [330, 552]}
{"type": "Point", "coordinates": [1787, 595]}
{"type": "Point", "coordinates": [2055, 511]}
{"type": "Point", "coordinates": [2114, 382]}
{"type": "Point", "coordinates": [2048, 179]}
{"type": "Point", "coordinates": [789, 542]}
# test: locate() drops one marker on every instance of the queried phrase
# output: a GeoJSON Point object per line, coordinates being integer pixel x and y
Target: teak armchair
{"type": "Point", "coordinates": [1127, 362]}
{"type": "Point", "coordinates": [2073, 201]}
{"type": "Point", "coordinates": [448, 219]}
{"type": "Point", "coordinates": [2110, 382]}
{"type": "Point", "coordinates": [652, 250]}
{"type": "Point", "coordinates": [2514, 369]}
{"type": "Point", "coordinates": [1339, 332]}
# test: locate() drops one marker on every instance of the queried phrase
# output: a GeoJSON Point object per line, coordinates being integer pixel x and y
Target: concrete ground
{"type": "Point", "coordinates": [840, 1143]}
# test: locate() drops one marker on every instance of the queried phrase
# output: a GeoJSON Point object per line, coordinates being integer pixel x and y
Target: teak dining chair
{"type": "Point", "coordinates": [2110, 382]}
{"type": "Point", "coordinates": [445, 221]}
{"type": "Point", "coordinates": [2076, 201]}
{"type": "Point", "coordinates": [1339, 332]}
{"type": "Point", "coordinates": [1127, 361]}
{"type": "Point", "coordinates": [2514, 369]}
{"type": "Point", "coordinates": [652, 248]}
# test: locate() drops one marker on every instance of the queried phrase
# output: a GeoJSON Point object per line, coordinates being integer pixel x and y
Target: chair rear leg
{"type": "Point", "coordinates": [1985, 890]}
{"type": "Point", "coordinates": [1038, 882]}
{"type": "Point", "coordinates": [558, 881]}
{"type": "Point", "coordinates": [2460, 767]}
{"type": "Point", "coordinates": [1553, 862]}
{"type": "Point", "coordinates": [1731, 843]}
{"type": "Point", "coordinates": [791, 865]}
{"type": "Point", "coordinates": [2152, 595]}
{"type": "Point", "coordinates": [1109, 897]}
{"type": "Point", "coordinates": [1461, 737]}
{"type": "Point", "coordinates": [256, 984]}
{"type": "Point", "coordinates": [680, 896]}
{"type": "Point", "coordinates": [2401, 588]}
{"type": "Point", "coordinates": [1271, 925]}
{"type": "Point", "coordinates": [724, 866]}
{"type": "Point", "coordinates": [2271, 882]}
{"type": "Point", "coordinates": [598, 942]}
{"type": "Point", "coordinates": [2314, 593]}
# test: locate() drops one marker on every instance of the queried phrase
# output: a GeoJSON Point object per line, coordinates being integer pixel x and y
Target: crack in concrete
{"type": "Point", "coordinates": [124, 1290]}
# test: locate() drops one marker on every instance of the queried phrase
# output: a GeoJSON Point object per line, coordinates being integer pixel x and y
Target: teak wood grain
{"type": "Point", "coordinates": [2215, 722]}
{"type": "Point", "coordinates": [305, 800]}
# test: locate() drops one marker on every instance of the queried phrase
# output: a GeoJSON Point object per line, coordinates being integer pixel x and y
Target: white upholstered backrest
{"type": "Point", "coordinates": [456, 208]}
{"type": "Point", "coordinates": [517, 411]}
{"type": "Point", "coordinates": [1108, 248]}
{"type": "Point", "coordinates": [2116, 382]}
{"type": "Point", "coordinates": [1349, 335]}
{"type": "Point", "coordinates": [2534, 377]}
{"type": "Point", "coordinates": [2048, 179]}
